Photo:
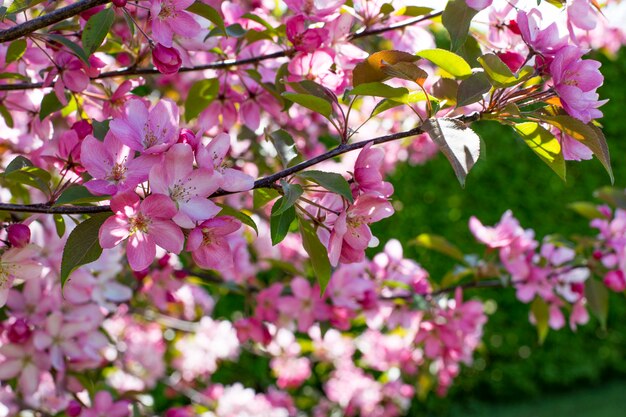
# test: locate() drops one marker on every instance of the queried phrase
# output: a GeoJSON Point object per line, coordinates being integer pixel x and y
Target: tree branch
{"type": "Point", "coordinates": [48, 19]}
{"type": "Point", "coordinates": [228, 62]}
{"type": "Point", "coordinates": [265, 182]}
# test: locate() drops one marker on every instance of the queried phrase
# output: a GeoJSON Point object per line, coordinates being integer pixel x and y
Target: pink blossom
{"type": "Point", "coordinates": [145, 224]}
{"type": "Point", "coordinates": [318, 66]}
{"type": "Point", "coordinates": [351, 234]}
{"type": "Point", "coordinates": [18, 235]}
{"type": "Point", "coordinates": [303, 38]}
{"type": "Point", "coordinates": [147, 131]}
{"type": "Point", "coordinates": [103, 406]}
{"type": "Point", "coordinates": [169, 17]}
{"type": "Point", "coordinates": [576, 81]}
{"type": "Point", "coordinates": [572, 149]}
{"type": "Point", "coordinates": [317, 10]}
{"type": "Point", "coordinates": [25, 363]}
{"type": "Point", "coordinates": [187, 187]}
{"type": "Point", "coordinates": [266, 307]}
{"type": "Point", "coordinates": [166, 60]}
{"type": "Point", "coordinates": [545, 41]}
{"type": "Point", "coordinates": [291, 371]}
{"type": "Point", "coordinates": [212, 157]}
{"type": "Point", "coordinates": [368, 172]}
{"type": "Point", "coordinates": [208, 244]}
{"type": "Point", "coordinates": [306, 305]}
{"type": "Point", "coordinates": [112, 165]}
{"type": "Point", "coordinates": [581, 14]}
{"type": "Point", "coordinates": [615, 280]}
{"type": "Point", "coordinates": [479, 4]}
{"type": "Point", "coordinates": [71, 75]}
{"type": "Point", "coordinates": [17, 263]}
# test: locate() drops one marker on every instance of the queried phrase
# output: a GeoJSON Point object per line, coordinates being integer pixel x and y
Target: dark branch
{"type": "Point", "coordinates": [265, 182]}
{"type": "Point", "coordinates": [402, 24]}
{"type": "Point", "coordinates": [48, 19]}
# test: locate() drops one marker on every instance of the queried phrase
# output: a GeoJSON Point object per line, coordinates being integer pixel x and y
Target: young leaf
{"type": "Point", "coordinates": [459, 143]}
{"type": "Point", "coordinates": [82, 245]}
{"type": "Point", "coordinates": [500, 74]}
{"type": "Point", "coordinates": [586, 209]}
{"type": "Point", "coordinates": [456, 18]}
{"type": "Point", "coordinates": [291, 194]}
{"type": "Point", "coordinates": [331, 181]}
{"type": "Point", "coordinates": [371, 69]}
{"type": "Point", "coordinates": [406, 71]}
{"type": "Point", "coordinates": [311, 102]}
{"type": "Point", "coordinates": [262, 196]}
{"type": "Point", "coordinates": [201, 94]}
{"type": "Point", "coordinates": [15, 50]}
{"type": "Point", "coordinates": [317, 253]}
{"type": "Point", "coordinates": [100, 129]}
{"type": "Point", "coordinates": [6, 115]}
{"type": "Point", "coordinates": [378, 89]}
{"type": "Point", "coordinates": [285, 146]}
{"type": "Point", "coordinates": [49, 104]}
{"type": "Point", "coordinates": [78, 194]}
{"type": "Point", "coordinates": [598, 298]}
{"type": "Point", "coordinates": [589, 135]}
{"type": "Point", "coordinates": [18, 163]}
{"type": "Point", "coordinates": [59, 224]}
{"type": "Point", "coordinates": [242, 217]}
{"type": "Point", "coordinates": [279, 223]}
{"type": "Point", "coordinates": [439, 244]}
{"type": "Point", "coordinates": [315, 89]}
{"type": "Point", "coordinates": [96, 29]}
{"type": "Point", "coordinates": [75, 48]}
{"type": "Point", "coordinates": [541, 313]}
{"type": "Point", "coordinates": [472, 89]}
{"type": "Point", "coordinates": [208, 13]}
{"type": "Point", "coordinates": [447, 61]}
{"type": "Point", "coordinates": [544, 144]}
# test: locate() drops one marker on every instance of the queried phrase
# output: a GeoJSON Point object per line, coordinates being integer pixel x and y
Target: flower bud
{"type": "Point", "coordinates": [73, 408]}
{"type": "Point", "coordinates": [82, 129]}
{"type": "Point", "coordinates": [19, 332]}
{"type": "Point", "coordinates": [166, 60]}
{"type": "Point", "coordinates": [18, 235]}
{"type": "Point", "coordinates": [119, 3]}
{"type": "Point", "coordinates": [615, 281]}
{"type": "Point", "coordinates": [513, 60]}
{"type": "Point", "coordinates": [187, 136]}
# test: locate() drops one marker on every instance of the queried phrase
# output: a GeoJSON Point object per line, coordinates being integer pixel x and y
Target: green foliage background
{"type": "Point", "coordinates": [510, 366]}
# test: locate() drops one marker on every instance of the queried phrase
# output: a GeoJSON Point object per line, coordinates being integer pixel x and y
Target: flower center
{"type": "Point", "coordinates": [139, 223]}
{"type": "Point", "coordinates": [118, 172]}
{"type": "Point", "coordinates": [207, 236]}
{"type": "Point", "coordinates": [167, 10]}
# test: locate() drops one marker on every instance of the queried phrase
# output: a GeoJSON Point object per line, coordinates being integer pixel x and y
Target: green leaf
{"type": "Point", "coordinates": [597, 296]}
{"type": "Point", "coordinates": [235, 31]}
{"type": "Point", "coordinates": [500, 74]}
{"type": "Point", "coordinates": [378, 89]}
{"type": "Point", "coordinates": [82, 245]}
{"type": "Point", "coordinates": [78, 194]}
{"type": "Point", "coordinates": [209, 13]}
{"type": "Point", "coordinates": [12, 76]}
{"type": "Point", "coordinates": [371, 69]}
{"type": "Point", "coordinates": [447, 61]}
{"type": "Point", "coordinates": [589, 135]}
{"type": "Point", "coordinates": [439, 244]}
{"type": "Point", "coordinates": [414, 11]}
{"type": "Point", "coordinates": [201, 94]}
{"type": "Point", "coordinates": [285, 147]}
{"type": "Point", "coordinates": [472, 89]}
{"type": "Point", "coordinates": [457, 18]}
{"type": "Point", "coordinates": [541, 313]}
{"type": "Point", "coordinates": [75, 48]}
{"type": "Point", "coordinates": [586, 209]}
{"type": "Point", "coordinates": [313, 88]}
{"type": "Point", "coordinates": [262, 196]}
{"type": "Point", "coordinates": [331, 181]}
{"type": "Point", "coordinates": [544, 144]}
{"type": "Point", "coordinates": [15, 50]}
{"type": "Point", "coordinates": [100, 129]}
{"type": "Point", "coordinates": [311, 102]}
{"type": "Point", "coordinates": [6, 115]}
{"type": "Point", "coordinates": [49, 104]}
{"type": "Point", "coordinates": [612, 196]}
{"type": "Point", "coordinates": [317, 253]}
{"type": "Point", "coordinates": [279, 223]}
{"type": "Point", "coordinates": [18, 163]}
{"type": "Point", "coordinates": [59, 224]}
{"type": "Point", "coordinates": [96, 30]}
{"type": "Point", "coordinates": [406, 71]}
{"type": "Point", "coordinates": [30, 175]}
{"type": "Point", "coordinates": [291, 194]}
{"type": "Point", "coordinates": [259, 20]}
{"type": "Point", "coordinates": [459, 143]}
{"type": "Point", "coordinates": [241, 216]}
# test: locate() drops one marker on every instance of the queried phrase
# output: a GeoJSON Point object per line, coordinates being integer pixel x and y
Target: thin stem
{"type": "Point", "coordinates": [265, 182]}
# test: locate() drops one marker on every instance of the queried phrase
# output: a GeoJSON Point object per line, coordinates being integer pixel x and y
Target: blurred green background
{"type": "Point", "coordinates": [572, 374]}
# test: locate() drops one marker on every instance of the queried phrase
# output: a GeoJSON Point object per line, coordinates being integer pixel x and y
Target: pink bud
{"type": "Point", "coordinates": [82, 128]}
{"type": "Point", "coordinates": [597, 255]}
{"type": "Point", "coordinates": [140, 275]}
{"type": "Point", "coordinates": [180, 274]}
{"type": "Point", "coordinates": [18, 235]}
{"type": "Point", "coordinates": [513, 27]}
{"type": "Point", "coordinates": [119, 3]}
{"type": "Point", "coordinates": [73, 409]}
{"type": "Point", "coordinates": [513, 60]}
{"type": "Point", "coordinates": [167, 60]}
{"type": "Point", "coordinates": [187, 136]}
{"type": "Point", "coordinates": [19, 332]}
{"type": "Point", "coordinates": [615, 280]}
{"type": "Point", "coordinates": [124, 59]}
{"type": "Point", "coordinates": [164, 261]}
